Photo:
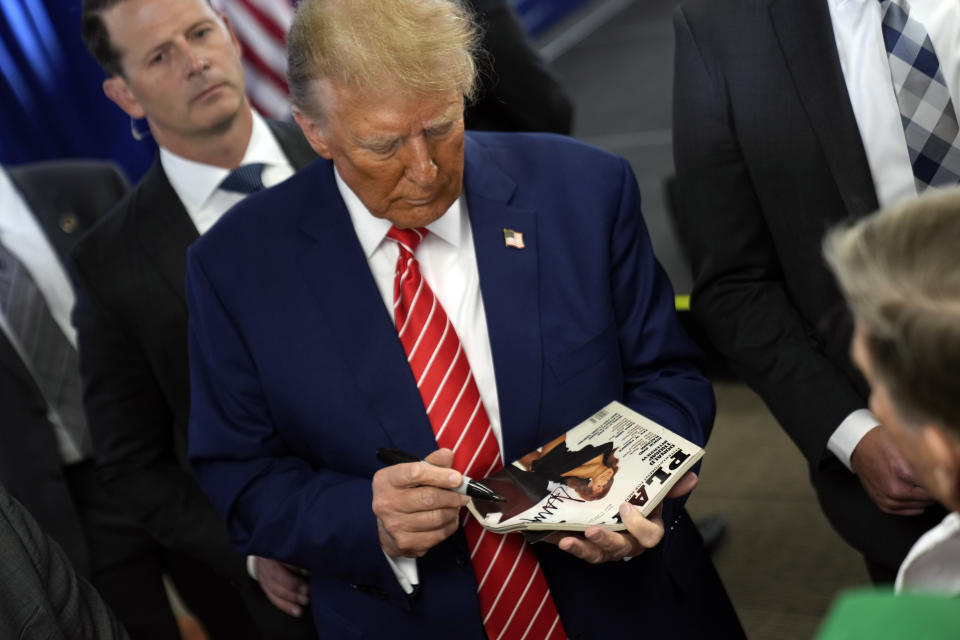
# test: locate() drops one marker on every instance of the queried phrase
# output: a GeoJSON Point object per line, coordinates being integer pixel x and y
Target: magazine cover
{"type": "Point", "coordinates": [582, 477]}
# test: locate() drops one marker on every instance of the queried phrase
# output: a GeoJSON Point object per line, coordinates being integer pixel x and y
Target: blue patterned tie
{"type": "Point", "coordinates": [244, 179]}
{"type": "Point", "coordinates": [926, 110]}
{"type": "Point", "coordinates": [50, 356]}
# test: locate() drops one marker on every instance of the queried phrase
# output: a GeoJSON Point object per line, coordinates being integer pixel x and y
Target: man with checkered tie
{"type": "Point", "coordinates": [790, 116]}
{"type": "Point", "coordinates": [466, 297]}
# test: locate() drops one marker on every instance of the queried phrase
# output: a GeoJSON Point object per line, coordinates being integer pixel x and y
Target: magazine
{"type": "Point", "coordinates": [581, 478]}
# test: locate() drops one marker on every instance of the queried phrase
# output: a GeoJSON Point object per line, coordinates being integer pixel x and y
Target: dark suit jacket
{"type": "Point", "coordinates": [769, 157]}
{"type": "Point", "coordinates": [41, 596]}
{"type": "Point", "coordinates": [518, 91]}
{"type": "Point", "coordinates": [131, 321]}
{"type": "Point", "coordinates": [66, 198]}
{"type": "Point", "coordinates": [298, 377]}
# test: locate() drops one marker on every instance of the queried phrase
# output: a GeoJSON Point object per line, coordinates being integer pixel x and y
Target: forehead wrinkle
{"type": "Point", "coordinates": [192, 27]}
{"type": "Point", "coordinates": [167, 38]}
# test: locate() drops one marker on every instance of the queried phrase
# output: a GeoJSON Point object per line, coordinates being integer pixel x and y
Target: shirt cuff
{"type": "Point", "coordinates": [847, 436]}
{"type": "Point", "coordinates": [405, 569]}
{"type": "Point", "coordinates": [251, 567]}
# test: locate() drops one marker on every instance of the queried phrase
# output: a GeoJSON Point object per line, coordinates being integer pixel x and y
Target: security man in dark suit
{"type": "Point", "coordinates": [789, 118]}
{"type": "Point", "coordinates": [177, 65]}
{"type": "Point", "coordinates": [45, 453]}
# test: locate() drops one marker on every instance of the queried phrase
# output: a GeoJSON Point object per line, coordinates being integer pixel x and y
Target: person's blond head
{"type": "Point", "coordinates": [900, 272]}
{"type": "Point", "coordinates": [423, 47]}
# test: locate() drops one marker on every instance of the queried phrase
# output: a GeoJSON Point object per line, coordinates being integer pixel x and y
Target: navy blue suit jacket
{"type": "Point", "coordinates": [298, 376]}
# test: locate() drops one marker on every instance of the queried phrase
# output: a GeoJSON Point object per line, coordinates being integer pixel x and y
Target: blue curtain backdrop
{"type": "Point", "coordinates": [51, 102]}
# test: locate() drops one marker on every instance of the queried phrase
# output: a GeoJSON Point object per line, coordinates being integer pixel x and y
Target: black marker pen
{"type": "Point", "coordinates": [469, 487]}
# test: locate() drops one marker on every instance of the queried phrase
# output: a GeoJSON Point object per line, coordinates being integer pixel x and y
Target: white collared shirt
{"type": "Point", "coordinates": [196, 183]}
{"type": "Point", "coordinates": [933, 563]}
{"type": "Point", "coordinates": [22, 235]}
{"type": "Point", "coordinates": [866, 71]}
{"type": "Point", "coordinates": [449, 265]}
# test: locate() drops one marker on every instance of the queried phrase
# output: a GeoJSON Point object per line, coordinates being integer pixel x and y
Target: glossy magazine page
{"type": "Point", "coordinates": [582, 477]}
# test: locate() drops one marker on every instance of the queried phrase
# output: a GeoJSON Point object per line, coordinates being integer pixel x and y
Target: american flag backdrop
{"type": "Point", "coordinates": [261, 26]}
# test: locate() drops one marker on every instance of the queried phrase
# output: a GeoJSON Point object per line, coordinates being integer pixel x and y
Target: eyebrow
{"type": "Point", "coordinates": [375, 140]}
{"type": "Point", "coordinates": [163, 46]}
{"type": "Point", "coordinates": [450, 116]}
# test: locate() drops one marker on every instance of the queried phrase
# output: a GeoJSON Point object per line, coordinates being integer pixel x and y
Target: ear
{"type": "Point", "coordinates": [943, 454]}
{"type": "Point", "coordinates": [117, 89]}
{"type": "Point", "coordinates": [314, 134]}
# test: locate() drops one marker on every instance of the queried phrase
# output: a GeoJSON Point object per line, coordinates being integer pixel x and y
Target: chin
{"type": "Point", "coordinates": [414, 219]}
{"type": "Point", "coordinates": [223, 106]}
{"type": "Point", "coordinates": [222, 120]}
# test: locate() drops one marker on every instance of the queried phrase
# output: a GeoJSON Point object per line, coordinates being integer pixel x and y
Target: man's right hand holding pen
{"type": "Point", "coordinates": [415, 506]}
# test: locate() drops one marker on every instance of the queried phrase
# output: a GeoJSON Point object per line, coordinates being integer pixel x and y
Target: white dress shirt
{"type": "Point", "coordinates": [866, 71]}
{"type": "Point", "coordinates": [196, 183]}
{"type": "Point", "coordinates": [448, 263]}
{"type": "Point", "coordinates": [22, 235]}
{"type": "Point", "coordinates": [933, 563]}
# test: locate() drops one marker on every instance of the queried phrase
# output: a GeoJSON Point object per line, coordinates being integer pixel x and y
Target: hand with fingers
{"type": "Point", "coordinates": [886, 476]}
{"type": "Point", "coordinates": [285, 585]}
{"type": "Point", "coordinates": [602, 545]}
{"type": "Point", "coordinates": [415, 506]}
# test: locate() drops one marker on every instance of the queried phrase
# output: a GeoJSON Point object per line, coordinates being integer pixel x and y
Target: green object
{"type": "Point", "coordinates": [878, 614]}
{"type": "Point", "coordinates": [682, 302]}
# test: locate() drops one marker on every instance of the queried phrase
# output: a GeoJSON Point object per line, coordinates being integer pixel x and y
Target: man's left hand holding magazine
{"type": "Point", "coordinates": [598, 545]}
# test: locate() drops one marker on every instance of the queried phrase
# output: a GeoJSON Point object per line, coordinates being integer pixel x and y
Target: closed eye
{"type": "Point", "coordinates": [439, 130]}
{"type": "Point", "coordinates": [383, 148]}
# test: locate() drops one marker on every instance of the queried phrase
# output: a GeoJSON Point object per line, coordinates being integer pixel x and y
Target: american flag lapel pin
{"type": "Point", "coordinates": [513, 239]}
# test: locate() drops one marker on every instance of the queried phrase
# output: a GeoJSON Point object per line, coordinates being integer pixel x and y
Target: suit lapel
{"type": "Point", "coordinates": [164, 228]}
{"type": "Point", "coordinates": [509, 284]}
{"type": "Point", "coordinates": [51, 207]}
{"type": "Point", "coordinates": [11, 360]}
{"type": "Point", "coordinates": [336, 269]}
{"type": "Point", "coordinates": [806, 38]}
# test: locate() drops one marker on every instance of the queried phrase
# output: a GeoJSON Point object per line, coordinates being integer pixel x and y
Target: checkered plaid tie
{"type": "Point", "coordinates": [51, 357]}
{"type": "Point", "coordinates": [514, 597]}
{"type": "Point", "coordinates": [926, 110]}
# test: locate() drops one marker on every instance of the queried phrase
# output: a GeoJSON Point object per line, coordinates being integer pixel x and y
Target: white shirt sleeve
{"type": "Point", "coordinates": [847, 436]}
{"type": "Point", "coordinates": [405, 569]}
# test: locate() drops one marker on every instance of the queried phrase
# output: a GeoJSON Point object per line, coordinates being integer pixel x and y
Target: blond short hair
{"type": "Point", "coordinates": [900, 272]}
{"type": "Point", "coordinates": [421, 46]}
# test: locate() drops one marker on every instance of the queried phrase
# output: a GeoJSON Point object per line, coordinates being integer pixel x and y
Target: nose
{"type": "Point", "coordinates": [421, 169]}
{"type": "Point", "coordinates": [195, 61]}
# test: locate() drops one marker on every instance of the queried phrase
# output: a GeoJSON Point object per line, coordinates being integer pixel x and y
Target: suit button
{"type": "Point", "coordinates": [461, 559]}
{"type": "Point", "coordinates": [68, 222]}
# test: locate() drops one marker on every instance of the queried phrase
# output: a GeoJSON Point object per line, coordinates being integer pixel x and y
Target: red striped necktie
{"type": "Point", "coordinates": [514, 597]}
